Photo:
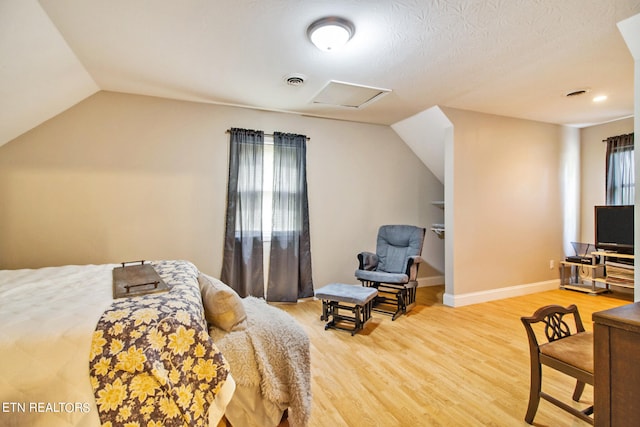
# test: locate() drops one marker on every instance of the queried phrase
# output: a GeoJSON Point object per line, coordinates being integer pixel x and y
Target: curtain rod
{"type": "Point", "coordinates": [266, 134]}
{"type": "Point", "coordinates": [618, 136]}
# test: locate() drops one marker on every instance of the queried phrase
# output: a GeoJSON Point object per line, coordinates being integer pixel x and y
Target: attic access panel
{"type": "Point", "coordinates": [348, 95]}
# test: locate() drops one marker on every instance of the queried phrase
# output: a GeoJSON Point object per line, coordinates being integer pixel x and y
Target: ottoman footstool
{"type": "Point", "coordinates": [336, 296]}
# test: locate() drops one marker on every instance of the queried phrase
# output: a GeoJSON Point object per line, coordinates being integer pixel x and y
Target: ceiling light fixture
{"type": "Point", "coordinates": [600, 98]}
{"type": "Point", "coordinates": [331, 32]}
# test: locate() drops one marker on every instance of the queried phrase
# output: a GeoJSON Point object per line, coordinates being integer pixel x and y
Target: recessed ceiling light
{"type": "Point", "coordinates": [599, 98]}
{"type": "Point", "coordinates": [330, 33]}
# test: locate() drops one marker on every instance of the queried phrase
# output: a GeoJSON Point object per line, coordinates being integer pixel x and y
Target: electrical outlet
{"type": "Point", "coordinates": [551, 264]}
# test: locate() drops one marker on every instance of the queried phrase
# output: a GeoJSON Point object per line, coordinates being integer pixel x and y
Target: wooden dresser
{"type": "Point", "coordinates": [617, 366]}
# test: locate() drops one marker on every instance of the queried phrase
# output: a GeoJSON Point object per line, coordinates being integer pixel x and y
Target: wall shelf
{"type": "Point", "coordinates": [438, 229]}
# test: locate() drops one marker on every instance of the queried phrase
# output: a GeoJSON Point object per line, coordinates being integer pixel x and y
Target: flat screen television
{"type": "Point", "coordinates": [614, 228]}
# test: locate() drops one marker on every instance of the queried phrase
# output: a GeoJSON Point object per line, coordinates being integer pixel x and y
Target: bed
{"type": "Point", "coordinates": [71, 355]}
{"type": "Point", "coordinates": [269, 356]}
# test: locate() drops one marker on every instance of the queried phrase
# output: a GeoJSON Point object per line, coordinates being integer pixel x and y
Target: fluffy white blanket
{"type": "Point", "coordinates": [273, 353]}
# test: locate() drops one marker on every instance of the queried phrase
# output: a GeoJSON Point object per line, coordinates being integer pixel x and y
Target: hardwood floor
{"type": "Point", "coordinates": [437, 365]}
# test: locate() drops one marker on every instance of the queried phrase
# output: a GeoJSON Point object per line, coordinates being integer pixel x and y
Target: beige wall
{"type": "Point", "coordinates": [507, 212]}
{"type": "Point", "coordinates": [593, 165]}
{"type": "Point", "coordinates": [123, 177]}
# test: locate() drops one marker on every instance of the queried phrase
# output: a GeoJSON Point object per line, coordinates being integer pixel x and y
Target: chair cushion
{"type": "Point", "coordinates": [354, 294]}
{"type": "Point", "coordinates": [395, 243]}
{"type": "Point", "coordinates": [575, 350]}
{"type": "Point", "coordinates": [381, 277]}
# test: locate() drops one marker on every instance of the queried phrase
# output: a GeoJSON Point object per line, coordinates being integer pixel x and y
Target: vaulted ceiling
{"type": "Point", "coordinates": [515, 58]}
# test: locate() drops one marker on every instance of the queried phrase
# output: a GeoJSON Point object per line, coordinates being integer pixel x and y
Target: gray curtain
{"type": "Point", "coordinates": [620, 170]}
{"type": "Point", "coordinates": [242, 266]}
{"type": "Point", "coordinates": [290, 258]}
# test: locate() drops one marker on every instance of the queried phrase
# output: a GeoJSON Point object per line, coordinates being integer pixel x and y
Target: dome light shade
{"type": "Point", "coordinates": [330, 33]}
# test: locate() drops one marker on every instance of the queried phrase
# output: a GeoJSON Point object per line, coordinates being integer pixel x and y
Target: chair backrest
{"type": "Point", "coordinates": [555, 327]}
{"type": "Point", "coordinates": [395, 244]}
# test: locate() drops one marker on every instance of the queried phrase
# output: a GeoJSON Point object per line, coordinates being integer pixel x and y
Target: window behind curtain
{"type": "Point", "coordinates": [267, 215]}
{"type": "Point", "coordinates": [620, 170]}
{"type": "Point", "coordinates": [266, 192]}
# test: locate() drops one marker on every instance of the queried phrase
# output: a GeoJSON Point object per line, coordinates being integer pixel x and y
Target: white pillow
{"type": "Point", "coordinates": [222, 305]}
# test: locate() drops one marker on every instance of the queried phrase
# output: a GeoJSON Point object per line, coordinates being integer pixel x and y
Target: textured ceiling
{"type": "Point", "coordinates": [508, 57]}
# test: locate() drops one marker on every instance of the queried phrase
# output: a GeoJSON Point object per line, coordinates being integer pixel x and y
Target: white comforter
{"type": "Point", "coordinates": [47, 318]}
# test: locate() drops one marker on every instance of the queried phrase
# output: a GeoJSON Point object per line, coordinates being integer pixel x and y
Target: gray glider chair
{"type": "Point", "coordinates": [393, 269]}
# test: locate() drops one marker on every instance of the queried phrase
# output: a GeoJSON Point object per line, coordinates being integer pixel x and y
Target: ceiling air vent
{"type": "Point", "coordinates": [577, 92]}
{"type": "Point", "coordinates": [295, 79]}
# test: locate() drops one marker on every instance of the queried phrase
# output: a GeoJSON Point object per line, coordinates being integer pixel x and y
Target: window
{"type": "Point", "coordinates": [253, 188]}
{"type": "Point", "coordinates": [620, 170]}
{"type": "Point", "coordinates": [267, 216]}
{"type": "Point", "coordinates": [267, 188]}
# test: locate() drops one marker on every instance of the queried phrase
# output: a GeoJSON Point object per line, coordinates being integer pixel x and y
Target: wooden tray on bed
{"type": "Point", "coordinates": [136, 280]}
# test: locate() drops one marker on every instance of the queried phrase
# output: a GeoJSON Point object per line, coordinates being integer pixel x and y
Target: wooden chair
{"type": "Point", "coordinates": [566, 351]}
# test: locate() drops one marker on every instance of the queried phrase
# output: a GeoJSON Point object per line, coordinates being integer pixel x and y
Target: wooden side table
{"type": "Point", "coordinates": [617, 366]}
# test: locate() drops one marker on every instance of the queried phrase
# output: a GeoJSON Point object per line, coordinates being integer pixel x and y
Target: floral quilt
{"type": "Point", "coordinates": [152, 362]}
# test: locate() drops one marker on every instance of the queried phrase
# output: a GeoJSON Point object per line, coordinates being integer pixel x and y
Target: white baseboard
{"type": "Point", "coordinates": [459, 300]}
{"type": "Point", "coordinates": [430, 281]}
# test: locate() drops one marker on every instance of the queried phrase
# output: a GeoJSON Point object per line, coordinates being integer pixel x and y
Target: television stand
{"type": "Point", "coordinates": [614, 269]}
{"type": "Point", "coordinates": [571, 279]}
{"type": "Point", "coordinates": [618, 269]}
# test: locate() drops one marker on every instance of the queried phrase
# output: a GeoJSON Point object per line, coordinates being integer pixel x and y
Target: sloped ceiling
{"type": "Point", "coordinates": [510, 57]}
{"type": "Point", "coordinates": [40, 76]}
{"type": "Point", "coordinates": [630, 29]}
{"type": "Point", "coordinates": [426, 133]}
